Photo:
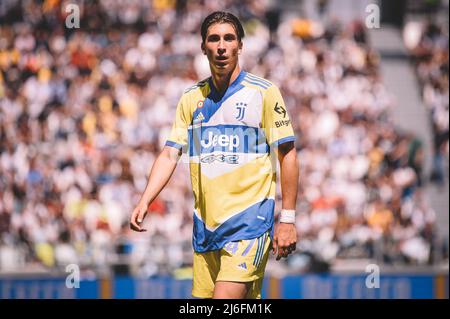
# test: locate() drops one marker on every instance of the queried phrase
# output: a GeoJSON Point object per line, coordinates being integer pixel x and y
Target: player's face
{"type": "Point", "coordinates": [222, 47]}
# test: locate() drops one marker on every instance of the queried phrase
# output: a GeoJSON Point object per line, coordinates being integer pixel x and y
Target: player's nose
{"type": "Point", "coordinates": [221, 46]}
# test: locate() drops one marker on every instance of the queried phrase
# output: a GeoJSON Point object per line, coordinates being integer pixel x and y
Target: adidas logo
{"type": "Point", "coordinates": [200, 117]}
{"type": "Point", "coordinates": [243, 266]}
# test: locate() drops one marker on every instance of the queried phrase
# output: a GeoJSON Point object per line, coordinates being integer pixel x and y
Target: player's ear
{"type": "Point", "coordinates": [203, 48]}
{"type": "Point", "coordinates": [240, 47]}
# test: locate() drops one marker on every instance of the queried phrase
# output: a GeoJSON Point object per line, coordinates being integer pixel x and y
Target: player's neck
{"type": "Point", "coordinates": [223, 81]}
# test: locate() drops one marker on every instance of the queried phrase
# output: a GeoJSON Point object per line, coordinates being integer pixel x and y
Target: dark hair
{"type": "Point", "coordinates": [222, 17]}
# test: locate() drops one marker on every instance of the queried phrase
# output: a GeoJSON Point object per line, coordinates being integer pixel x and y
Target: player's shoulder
{"type": "Point", "coordinates": [197, 86]}
{"type": "Point", "coordinates": [256, 82]}
{"type": "Point", "coordinates": [195, 94]}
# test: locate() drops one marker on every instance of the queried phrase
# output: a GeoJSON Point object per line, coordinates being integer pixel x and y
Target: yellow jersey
{"type": "Point", "coordinates": [229, 139]}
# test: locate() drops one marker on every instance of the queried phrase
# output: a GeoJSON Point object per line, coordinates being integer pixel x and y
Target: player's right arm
{"type": "Point", "coordinates": [165, 163]}
{"type": "Point", "coordinates": [161, 171]}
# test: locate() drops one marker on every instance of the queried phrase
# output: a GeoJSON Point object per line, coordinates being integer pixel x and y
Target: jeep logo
{"type": "Point", "coordinates": [222, 140]}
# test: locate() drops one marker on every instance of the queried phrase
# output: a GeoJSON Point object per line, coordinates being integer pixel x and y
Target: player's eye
{"type": "Point", "coordinates": [213, 38]}
{"type": "Point", "coordinates": [230, 37]}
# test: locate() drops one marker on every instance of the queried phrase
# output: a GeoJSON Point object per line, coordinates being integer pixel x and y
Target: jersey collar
{"type": "Point", "coordinates": [217, 97]}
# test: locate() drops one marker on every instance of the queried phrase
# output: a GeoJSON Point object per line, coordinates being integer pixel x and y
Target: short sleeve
{"type": "Point", "coordinates": [178, 137]}
{"type": "Point", "coordinates": [276, 122]}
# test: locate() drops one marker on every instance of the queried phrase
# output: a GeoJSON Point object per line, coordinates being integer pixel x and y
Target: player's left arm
{"type": "Point", "coordinates": [285, 237]}
{"type": "Point", "coordinates": [280, 136]}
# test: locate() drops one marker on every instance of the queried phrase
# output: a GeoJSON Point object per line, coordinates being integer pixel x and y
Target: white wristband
{"type": "Point", "coordinates": [287, 216]}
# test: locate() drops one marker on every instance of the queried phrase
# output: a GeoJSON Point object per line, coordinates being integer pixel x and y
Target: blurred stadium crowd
{"type": "Point", "coordinates": [84, 112]}
{"type": "Point", "coordinates": [428, 45]}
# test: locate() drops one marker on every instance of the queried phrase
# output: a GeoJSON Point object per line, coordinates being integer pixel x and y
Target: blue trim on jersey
{"type": "Point", "coordinates": [218, 97]}
{"type": "Point", "coordinates": [227, 138]}
{"type": "Point", "coordinates": [198, 85]}
{"type": "Point", "coordinates": [215, 99]}
{"type": "Point", "coordinates": [248, 78]}
{"type": "Point", "coordinates": [173, 144]}
{"type": "Point", "coordinates": [256, 78]}
{"type": "Point", "coordinates": [256, 83]}
{"type": "Point", "coordinates": [245, 225]}
{"type": "Point", "coordinates": [284, 140]}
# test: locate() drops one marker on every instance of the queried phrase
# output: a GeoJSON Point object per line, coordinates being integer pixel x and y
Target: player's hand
{"type": "Point", "coordinates": [284, 240]}
{"type": "Point", "coordinates": [138, 216]}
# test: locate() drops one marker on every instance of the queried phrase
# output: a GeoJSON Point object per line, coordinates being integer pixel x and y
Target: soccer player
{"type": "Point", "coordinates": [233, 126]}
